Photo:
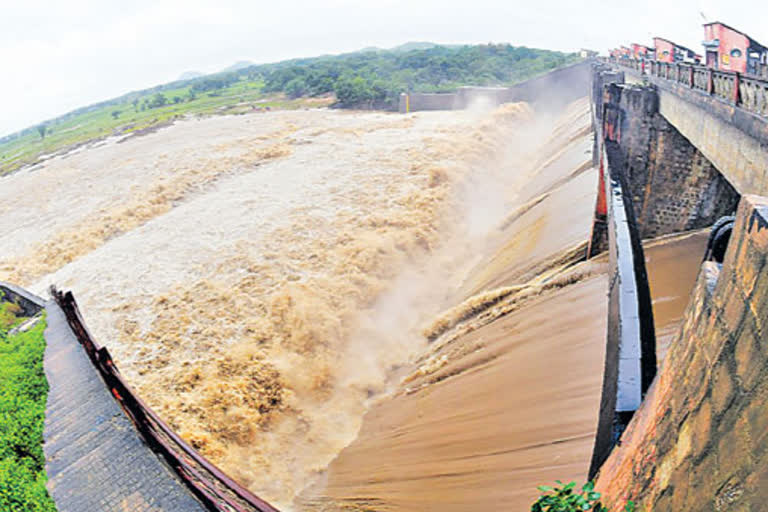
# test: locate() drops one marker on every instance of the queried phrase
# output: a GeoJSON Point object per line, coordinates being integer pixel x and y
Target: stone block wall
{"type": "Point", "coordinates": [674, 187]}
{"type": "Point", "coordinates": [734, 140]}
{"type": "Point", "coordinates": [700, 439]}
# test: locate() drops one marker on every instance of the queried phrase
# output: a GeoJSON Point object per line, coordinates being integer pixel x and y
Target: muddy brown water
{"type": "Point", "coordinates": [517, 411]}
{"type": "Point", "coordinates": [672, 264]}
{"type": "Point", "coordinates": [265, 280]}
{"type": "Point", "coordinates": [507, 399]}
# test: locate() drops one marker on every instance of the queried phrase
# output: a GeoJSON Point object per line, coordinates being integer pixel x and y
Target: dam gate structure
{"type": "Point", "coordinates": [690, 146]}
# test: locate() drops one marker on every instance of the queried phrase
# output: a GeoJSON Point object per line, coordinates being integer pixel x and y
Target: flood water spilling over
{"type": "Point", "coordinates": [340, 309]}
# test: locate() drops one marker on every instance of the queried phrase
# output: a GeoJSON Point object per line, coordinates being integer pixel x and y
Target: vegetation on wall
{"type": "Point", "coordinates": [23, 392]}
{"type": "Point", "coordinates": [567, 498]}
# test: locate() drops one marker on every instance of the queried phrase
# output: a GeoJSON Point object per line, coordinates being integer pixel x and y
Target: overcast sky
{"type": "Point", "coordinates": [59, 55]}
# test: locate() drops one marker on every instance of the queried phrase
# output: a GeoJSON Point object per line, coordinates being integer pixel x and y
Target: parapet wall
{"type": "Point", "coordinates": [723, 114]}
{"type": "Point", "coordinates": [700, 438]}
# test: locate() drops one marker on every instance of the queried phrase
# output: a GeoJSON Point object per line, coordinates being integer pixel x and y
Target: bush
{"type": "Point", "coordinates": [8, 316]}
{"type": "Point", "coordinates": [565, 498]}
{"type": "Point", "coordinates": [296, 88]}
{"type": "Point", "coordinates": [23, 392]}
{"type": "Point", "coordinates": [158, 100]}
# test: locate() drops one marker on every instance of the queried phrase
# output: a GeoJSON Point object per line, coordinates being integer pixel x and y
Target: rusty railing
{"type": "Point", "coordinates": [749, 92]}
{"type": "Point", "coordinates": [213, 488]}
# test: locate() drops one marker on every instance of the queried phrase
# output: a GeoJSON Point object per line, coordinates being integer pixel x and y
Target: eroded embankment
{"type": "Point", "coordinates": [259, 278]}
{"type": "Point", "coordinates": [506, 396]}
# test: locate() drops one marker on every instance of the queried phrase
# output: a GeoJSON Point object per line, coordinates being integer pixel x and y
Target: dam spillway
{"type": "Point", "coordinates": [262, 311]}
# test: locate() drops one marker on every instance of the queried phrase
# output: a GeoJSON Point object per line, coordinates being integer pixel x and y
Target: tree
{"type": "Point", "coordinates": [115, 114]}
{"type": "Point", "coordinates": [177, 99]}
{"type": "Point", "coordinates": [158, 100]}
{"type": "Point", "coordinates": [353, 91]}
{"type": "Point", "coordinates": [295, 88]}
{"type": "Point", "coordinates": [135, 104]}
{"type": "Point", "coordinates": [41, 129]}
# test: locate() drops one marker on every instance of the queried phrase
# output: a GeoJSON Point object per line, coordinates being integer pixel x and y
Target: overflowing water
{"type": "Point", "coordinates": [262, 279]}
{"type": "Point", "coordinates": [506, 395]}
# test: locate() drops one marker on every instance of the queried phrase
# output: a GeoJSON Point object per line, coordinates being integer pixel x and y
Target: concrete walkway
{"type": "Point", "coordinates": [95, 459]}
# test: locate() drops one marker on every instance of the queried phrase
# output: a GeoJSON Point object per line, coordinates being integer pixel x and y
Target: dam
{"type": "Point", "coordinates": [433, 310]}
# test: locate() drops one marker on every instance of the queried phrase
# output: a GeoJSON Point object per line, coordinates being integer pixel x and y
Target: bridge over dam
{"type": "Point", "coordinates": [583, 337]}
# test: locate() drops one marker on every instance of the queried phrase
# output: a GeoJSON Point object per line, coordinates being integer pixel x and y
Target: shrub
{"type": "Point", "coordinates": [8, 311]}
{"type": "Point", "coordinates": [565, 498]}
{"type": "Point", "coordinates": [23, 391]}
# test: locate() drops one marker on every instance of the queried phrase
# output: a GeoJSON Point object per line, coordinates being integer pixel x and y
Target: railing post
{"type": "Point", "coordinates": [736, 79]}
{"type": "Point", "coordinates": [710, 81]}
{"type": "Point", "coordinates": [691, 75]}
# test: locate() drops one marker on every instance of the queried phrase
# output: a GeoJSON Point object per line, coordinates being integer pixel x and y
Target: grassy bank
{"type": "Point", "coordinates": [123, 118]}
{"type": "Point", "coordinates": [23, 391]}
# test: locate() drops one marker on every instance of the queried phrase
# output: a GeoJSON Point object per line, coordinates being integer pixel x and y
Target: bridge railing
{"type": "Point", "coordinates": [749, 92]}
{"type": "Point", "coordinates": [213, 488]}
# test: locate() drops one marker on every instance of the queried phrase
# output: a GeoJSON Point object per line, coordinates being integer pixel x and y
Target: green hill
{"type": "Point", "coordinates": [363, 79]}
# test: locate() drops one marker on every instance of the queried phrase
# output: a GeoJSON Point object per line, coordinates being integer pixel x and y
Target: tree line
{"type": "Point", "coordinates": [377, 78]}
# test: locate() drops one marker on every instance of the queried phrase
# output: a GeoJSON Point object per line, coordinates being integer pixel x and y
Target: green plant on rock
{"type": "Point", "coordinates": [566, 498]}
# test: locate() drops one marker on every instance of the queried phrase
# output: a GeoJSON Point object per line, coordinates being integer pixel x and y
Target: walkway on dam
{"type": "Point", "coordinates": [95, 459]}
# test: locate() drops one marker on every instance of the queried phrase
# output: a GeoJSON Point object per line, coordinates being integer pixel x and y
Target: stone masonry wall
{"type": "Point", "coordinates": [30, 304]}
{"type": "Point", "coordinates": [700, 439]}
{"type": "Point", "coordinates": [673, 186]}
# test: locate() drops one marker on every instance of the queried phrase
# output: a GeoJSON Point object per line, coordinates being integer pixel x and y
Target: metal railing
{"type": "Point", "coordinates": [213, 488]}
{"type": "Point", "coordinates": [749, 92]}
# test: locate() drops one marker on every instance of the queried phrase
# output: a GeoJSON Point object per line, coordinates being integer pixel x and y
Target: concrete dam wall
{"type": "Point", "coordinates": [551, 91]}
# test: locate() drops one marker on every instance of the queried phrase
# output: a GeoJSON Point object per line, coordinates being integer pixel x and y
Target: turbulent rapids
{"type": "Point", "coordinates": [266, 280]}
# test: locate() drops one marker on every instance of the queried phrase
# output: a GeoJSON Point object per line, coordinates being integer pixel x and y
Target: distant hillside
{"type": "Point", "coordinates": [189, 75]}
{"type": "Point", "coordinates": [241, 64]}
{"type": "Point", "coordinates": [371, 78]}
{"type": "Point", "coordinates": [415, 45]}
